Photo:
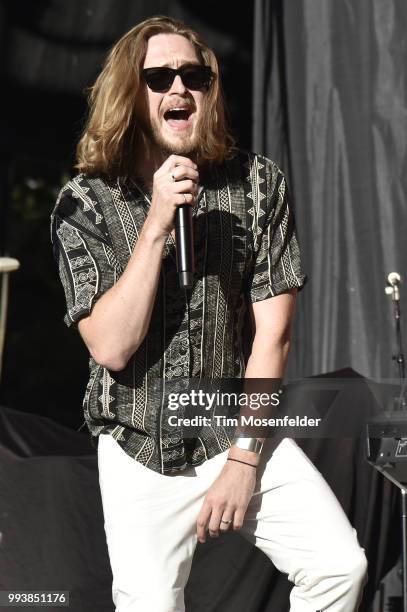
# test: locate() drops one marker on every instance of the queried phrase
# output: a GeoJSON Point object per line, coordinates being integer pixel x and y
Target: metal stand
{"type": "Point", "coordinates": [393, 289]}
{"type": "Point", "coordinates": [399, 358]}
{"type": "Point", "coordinates": [404, 547]}
{"type": "Point", "coordinates": [7, 265]}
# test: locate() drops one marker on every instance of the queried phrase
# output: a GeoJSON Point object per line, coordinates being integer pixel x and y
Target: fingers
{"type": "Point", "coordinates": [214, 522]}
{"type": "Point", "coordinates": [177, 168]}
{"type": "Point", "coordinates": [185, 192]}
{"type": "Point", "coordinates": [216, 519]}
{"type": "Point", "coordinates": [177, 160]}
{"type": "Point", "coordinates": [238, 519]}
{"type": "Point", "coordinates": [226, 521]}
{"type": "Point", "coordinates": [184, 198]}
{"type": "Point", "coordinates": [175, 183]}
{"type": "Point", "coordinates": [184, 172]}
{"type": "Point", "coordinates": [202, 522]}
{"type": "Point", "coordinates": [185, 186]}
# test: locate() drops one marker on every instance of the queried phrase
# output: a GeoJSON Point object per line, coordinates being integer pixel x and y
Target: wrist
{"type": "Point", "coordinates": [153, 232]}
{"type": "Point", "coordinates": [254, 445]}
{"type": "Point", "coordinates": [246, 449]}
{"type": "Point", "coordinates": [244, 455]}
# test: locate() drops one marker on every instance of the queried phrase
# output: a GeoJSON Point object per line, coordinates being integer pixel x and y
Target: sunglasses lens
{"type": "Point", "coordinates": [196, 77]}
{"type": "Point", "coordinates": [193, 77]}
{"type": "Point", "coordinates": [158, 79]}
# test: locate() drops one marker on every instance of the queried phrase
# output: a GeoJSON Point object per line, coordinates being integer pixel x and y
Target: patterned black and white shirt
{"type": "Point", "coordinates": [245, 251]}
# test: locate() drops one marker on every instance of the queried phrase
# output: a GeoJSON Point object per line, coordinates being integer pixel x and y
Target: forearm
{"type": "Point", "coordinates": [265, 362]}
{"type": "Point", "coordinates": [120, 318]}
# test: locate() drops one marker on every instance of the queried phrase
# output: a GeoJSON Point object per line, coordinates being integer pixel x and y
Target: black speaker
{"type": "Point", "coordinates": [387, 446]}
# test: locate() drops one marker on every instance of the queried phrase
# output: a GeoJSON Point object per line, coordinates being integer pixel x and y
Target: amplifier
{"type": "Point", "coordinates": [387, 446]}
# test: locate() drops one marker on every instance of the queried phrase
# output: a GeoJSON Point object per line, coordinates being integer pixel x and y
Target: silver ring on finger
{"type": "Point", "coordinates": [226, 522]}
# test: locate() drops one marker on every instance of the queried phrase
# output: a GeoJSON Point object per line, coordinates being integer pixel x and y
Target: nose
{"type": "Point", "coordinates": [177, 85]}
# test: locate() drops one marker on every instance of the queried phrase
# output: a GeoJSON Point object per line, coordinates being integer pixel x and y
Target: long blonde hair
{"type": "Point", "coordinates": [113, 134]}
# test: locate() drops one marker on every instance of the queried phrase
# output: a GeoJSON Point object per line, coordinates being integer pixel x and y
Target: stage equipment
{"type": "Point", "coordinates": [7, 265]}
{"type": "Point", "coordinates": [387, 452]}
{"type": "Point", "coordinates": [387, 434]}
{"type": "Point", "coordinates": [393, 289]}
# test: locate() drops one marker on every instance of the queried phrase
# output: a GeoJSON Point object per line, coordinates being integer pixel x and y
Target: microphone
{"type": "Point", "coordinates": [184, 241]}
{"type": "Point", "coordinates": [394, 280]}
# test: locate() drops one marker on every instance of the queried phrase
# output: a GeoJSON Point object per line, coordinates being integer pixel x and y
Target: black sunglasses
{"type": "Point", "coordinates": [193, 76]}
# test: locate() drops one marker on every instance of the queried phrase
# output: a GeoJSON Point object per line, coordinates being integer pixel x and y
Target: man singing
{"type": "Point", "coordinates": [156, 139]}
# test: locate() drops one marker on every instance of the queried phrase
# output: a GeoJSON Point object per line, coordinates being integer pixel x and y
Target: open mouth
{"type": "Point", "coordinates": [178, 118]}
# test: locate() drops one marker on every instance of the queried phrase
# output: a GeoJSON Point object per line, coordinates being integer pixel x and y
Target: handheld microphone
{"type": "Point", "coordinates": [184, 241]}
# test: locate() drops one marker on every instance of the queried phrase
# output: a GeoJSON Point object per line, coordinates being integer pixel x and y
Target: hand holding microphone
{"type": "Point", "coordinates": [175, 189]}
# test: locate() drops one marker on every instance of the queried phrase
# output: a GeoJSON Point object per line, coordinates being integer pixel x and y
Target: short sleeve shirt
{"type": "Point", "coordinates": [246, 250]}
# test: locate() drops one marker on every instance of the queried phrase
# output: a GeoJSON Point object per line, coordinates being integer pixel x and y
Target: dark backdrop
{"type": "Point", "coordinates": [329, 105]}
{"type": "Point", "coordinates": [53, 50]}
{"type": "Point", "coordinates": [330, 102]}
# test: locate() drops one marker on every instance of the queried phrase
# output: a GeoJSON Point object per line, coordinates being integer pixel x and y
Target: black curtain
{"type": "Point", "coordinates": [330, 107]}
{"type": "Point", "coordinates": [51, 50]}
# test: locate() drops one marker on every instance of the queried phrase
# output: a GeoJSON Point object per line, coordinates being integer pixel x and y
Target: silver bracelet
{"type": "Point", "coordinates": [250, 444]}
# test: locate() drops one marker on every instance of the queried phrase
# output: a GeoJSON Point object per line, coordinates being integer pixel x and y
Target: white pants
{"type": "Point", "coordinates": [293, 517]}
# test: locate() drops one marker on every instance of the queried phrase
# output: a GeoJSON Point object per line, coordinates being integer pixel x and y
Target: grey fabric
{"type": "Point", "coordinates": [246, 250]}
{"type": "Point", "coordinates": [330, 101]}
